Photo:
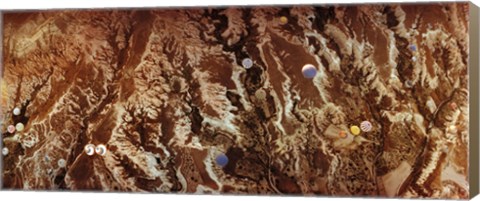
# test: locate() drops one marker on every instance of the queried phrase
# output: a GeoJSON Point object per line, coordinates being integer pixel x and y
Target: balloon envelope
{"type": "Point", "coordinates": [221, 160]}
{"type": "Point", "coordinates": [309, 71]}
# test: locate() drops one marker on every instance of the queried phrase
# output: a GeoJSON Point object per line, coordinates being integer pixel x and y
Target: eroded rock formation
{"type": "Point", "coordinates": [165, 91]}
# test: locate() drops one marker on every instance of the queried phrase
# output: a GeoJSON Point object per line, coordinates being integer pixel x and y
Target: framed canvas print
{"type": "Point", "coordinates": [350, 100]}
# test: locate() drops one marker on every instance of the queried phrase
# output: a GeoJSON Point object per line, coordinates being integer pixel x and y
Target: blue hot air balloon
{"type": "Point", "coordinates": [221, 160]}
{"type": "Point", "coordinates": [309, 71]}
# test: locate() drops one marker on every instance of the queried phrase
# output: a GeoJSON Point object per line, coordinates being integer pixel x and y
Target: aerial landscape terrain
{"type": "Point", "coordinates": [311, 100]}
